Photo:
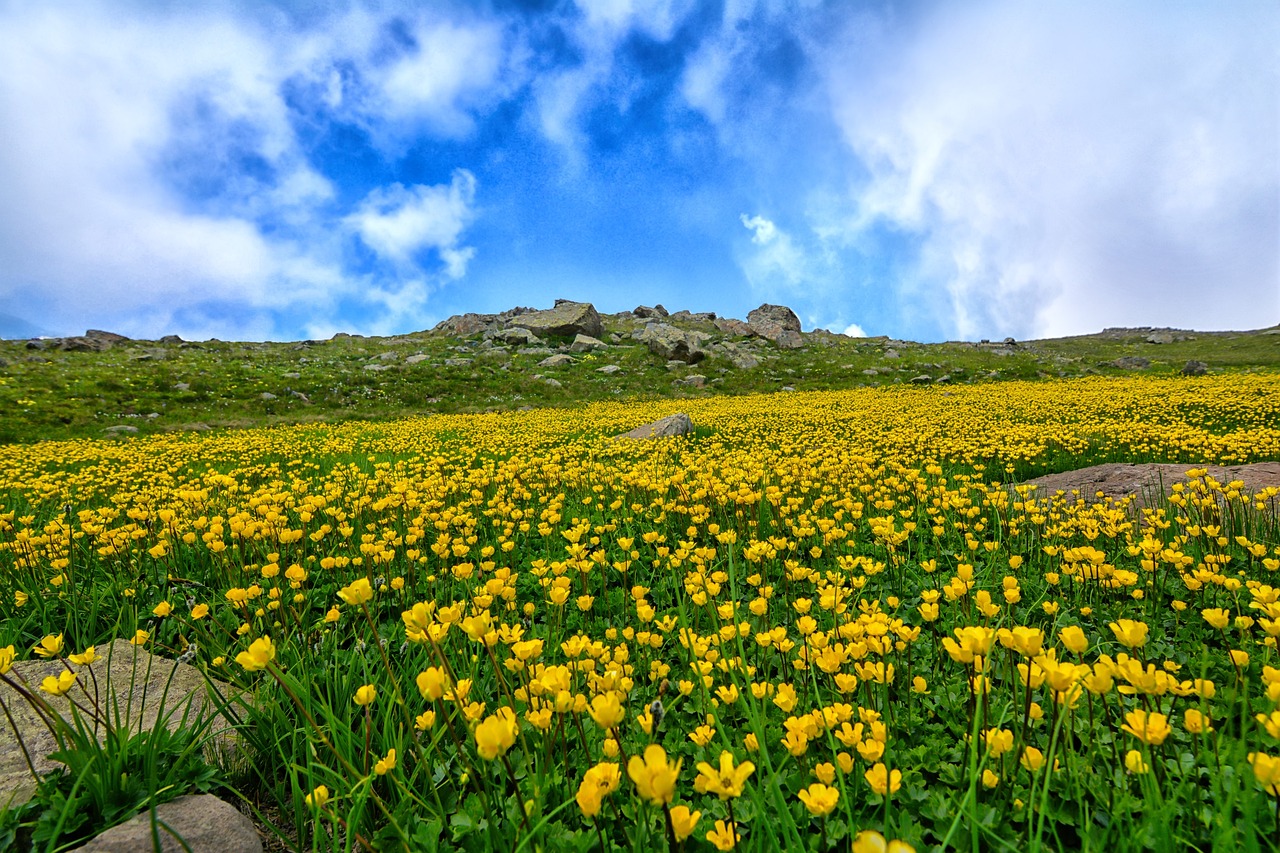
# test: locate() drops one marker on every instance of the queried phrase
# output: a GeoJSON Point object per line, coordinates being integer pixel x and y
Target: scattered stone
{"type": "Point", "coordinates": [182, 386]}
{"type": "Point", "coordinates": [416, 359]}
{"type": "Point", "coordinates": [378, 368]}
{"type": "Point", "coordinates": [554, 383]}
{"type": "Point", "coordinates": [197, 427]}
{"type": "Point", "coordinates": [517, 336]}
{"type": "Point", "coordinates": [870, 371]}
{"type": "Point", "coordinates": [922, 379]}
{"type": "Point", "coordinates": [743, 360]}
{"type": "Point", "coordinates": [563, 321]}
{"type": "Point", "coordinates": [300, 396]}
{"type": "Point", "coordinates": [692, 317]}
{"type": "Point", "coordinates": [777, 323]}
{"type": "Point", "coordinates": [644, 312]}
{"type": "Point", "coordinates": [266, 395]}
{"type": "Point", "coordinates": [666, 341]}
{"type": "Point", "coordinates": [457, 362]}
{"type": "Point", "coordinates": [789, 388]}
{"type": "Point", "coordinates": [586, 343]}
{"type": "Point", "coordinates": [196, 823]}
{"type": "Point", "coordinates": [172, 339]}
{"type": "Point", "coordinates": [533, 351]}
{"type": "Point", "coordinates": [1195, 368]}
{"type": "Point", "coordinates": [891, 353]}
{"type": "Point", "coordinates": [465, 325]}
{"type": "Point", "coordinates": [1131, 362]}
{"type": "Point", "coordinates": [556, 361]}
{"type": "Point", "coordinates": [671, 425]}
{"type": "Point", "coordinates": [122, 428]}
{"type": "Point", "coordinates": [730, 326]}
{"type": "Point", "coordinates": [1160, 338]}
{"type": "Point", "coordinates": [389, 355]}
{"type": "Point", "coordinates": [609, 369]}
{"type": "Point", "coordinates": [693, 380]}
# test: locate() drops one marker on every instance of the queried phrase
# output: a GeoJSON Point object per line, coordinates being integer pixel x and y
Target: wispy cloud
{"type": "Point", "coordinates": [400, 223]}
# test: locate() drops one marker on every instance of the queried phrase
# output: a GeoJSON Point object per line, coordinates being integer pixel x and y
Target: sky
{"type": "Point", "coordinates": [925, 170]}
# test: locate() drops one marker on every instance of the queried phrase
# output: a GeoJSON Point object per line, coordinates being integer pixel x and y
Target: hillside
{"type": "Point", "coordinates": [102, 384]}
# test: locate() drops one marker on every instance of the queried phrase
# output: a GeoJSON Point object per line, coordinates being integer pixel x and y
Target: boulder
{"type": "Point", "coordinates": [671, 425]}
{"type": "Point", "coordinates": [129, 681]}
{"type": "Point", "coordinates": [465, 325]}
{"type": "Point", "coordinates": [730, 326]}
{"type": "Point", "coordinates": [1131, 362]}
{"type": "Point", "coordinates": [586, 343]}
{"type": "Point", "coordinates": [517, 336]}
{"type": "Point", "coordinates": [693, 380]}
{"type": "Point", "coordinates": [608, 369]}
{"type": "Point", "coordinates": [197, 823]}
{"type": "Point", "coordinates": [1194, 368]}
{"type": "Point", "coordinates": [563, 321]}
{"type": "Point", "coordinates": [774, 322]}
{"type": "Point", "coordinates": [644, 312]}
{"type": "Point", "coordinates": [559, 360]}
{"type": "Point", "coordinates": [673, 344]}
{"type": "Point", "coordinates": [416, 359]}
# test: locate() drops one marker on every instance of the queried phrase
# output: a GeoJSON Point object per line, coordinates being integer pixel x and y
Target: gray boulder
{"type": "Point", "coordinates": [777, 323]}
{"type": "Point", "coordinates": [671, 425]}
{"type": "Point", "coordinates": [644, 312]}
{"type": "Point", "coordinates": [517, 336]}
{"type": "Point", "coordinates": [127, 678]}
{"type": "Point", "coordinates": [1195, 368]}
{"type": "Point", "coordinates": [673, 344]}
{"type": "Point", "coordinates": [465, 325]}
{"type": "Point", "coordinates": [609, 369]}
{"type": "Point", "coordinates": [556, 361]}
{"type": "Point", "coordinates": [197, 823]}
{"type": "Point", "coordinates": [1132, 362]}
{"type": "Point", "coordinates": [586, 343]}
{"type": "Point", "coordinates": [730, 326]}
{"type": "Point", "coordinates": [563, 321]}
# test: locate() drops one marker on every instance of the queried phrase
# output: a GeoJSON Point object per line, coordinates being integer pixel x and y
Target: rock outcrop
{"type": "Point", "coordinates": [197, 823]}
{"type": "Point", "coordinates": [673, 344]}
{"type": "Point", "coordinates": [671, 425]}
{"type": "Point", "coordinates": [563, 321]}
{"type": "Point", "coordinates": [777, 323]}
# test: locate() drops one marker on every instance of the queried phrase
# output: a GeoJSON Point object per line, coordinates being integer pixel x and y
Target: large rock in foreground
{"type": "Point", "coordinates": [677, 424]}
{"type": "Point", "coordinates": [127, 680]}
{"type": "Point", "coordinates": [197, 823]}
{"type": "Point", "coordinates": [565, 320]}
{"type": "Point", "coordinates": [777, 323]}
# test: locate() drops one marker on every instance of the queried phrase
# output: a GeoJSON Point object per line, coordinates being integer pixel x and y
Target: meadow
{"type": "Point", "coordinates": [825, 621]}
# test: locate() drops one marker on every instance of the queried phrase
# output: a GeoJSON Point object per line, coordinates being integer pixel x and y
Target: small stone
{"type": "Point", "coordinates": [586, 343]}
{"type": "Point", "coordinates": [695, 380]}
{"type": "Point", "coordinates": [266, 395]}
{"type": "Point", "coordinates": [609, 369]}
{"type": "Point", "coordinates": [415, 359]}
{"type": "Point", "coordinates": [922, 379]}
{"type": "Point", "coordinates": [123, 428]}
{"type": "Point", "coordinates": [182, 386]}
{"type": "Point", "coordinates": [891, 353]}
{"type": "Point", "coordinates": [788, 388]}
{"type": "Point", "coordinates": [1131, 362]}
{"type": "Point", "coordinates": [554, 383]}
{"type": "Point", "coordinates": [556, 361]}
{"type": "Point", "coordinates": [197, 823]}
{"type": "Point", "coordinates": [457, 362]}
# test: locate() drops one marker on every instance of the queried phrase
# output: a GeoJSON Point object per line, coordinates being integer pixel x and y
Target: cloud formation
{"type": "Point", "coordinates": [400, 222]}
{"type": "Point", "coordinates": [1069, 166]}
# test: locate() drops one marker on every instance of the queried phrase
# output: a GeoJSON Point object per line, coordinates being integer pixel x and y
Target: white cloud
{"type": "Point", "coordinates": [398, 222]}
{"type": "Point", "coordinates": [853, 330]}
{"type": "Point", "coordinates": [125, 204]}
{"type": "Point", "coordinates": [1071, 166]}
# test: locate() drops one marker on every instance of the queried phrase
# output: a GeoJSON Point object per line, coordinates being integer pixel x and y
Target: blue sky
{"type": "Point", "coordinates": [923, 170]}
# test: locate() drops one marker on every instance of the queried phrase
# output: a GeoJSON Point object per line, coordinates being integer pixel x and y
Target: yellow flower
{"type": "Point", "coordinates": [385, 764]}
{"type": "Point", "coordinates": [424, 721]}
{"type": "Point", "coordinates": [432, 683]}
{"type": "Point", "coordinates": [1073, 637]}
{"type": "Point", "coordinates": [1134, 764]}
{"type": "Point", "coordinates": [60, 685]}
{"type": "Point", "coordinates": [140, 637]}
{"type": "Point", "coordinates": [702, 735]}
{"type": "Point", "coordinates": [819, 799]}
{"type": "Point", "coordinates": [1032, 759]}
{"type": "Point", "coordinates": [7, 655]}
{"type": "Point", "coordinates": [683, 821]}
{"type": "Point", "coordinates": [20, 598]}
{"type": "Point", "coordinates": [365, 695]}
{"type": "Point", "coordinates": [882, 781]}
{"type": "Point", "coordinates": [1216, 617]}
{"type": "Point", "coordinates": [162, 609]}
{"type": "Point", "coordinates": [598, 782]}
{"type": "Point", "coordinates": [333, 614]}
{"type": "Point", "coordinates": [318, 797]}
{"type": "Point", "coordinates": [654, 776]}
{"type": "Point", "coordinates": [88, 656]}
{"type": "Point", "coordinates": [584, 602]}
{"type": "Point", "coordinates": [727, 781]}
{"type": "Point", "coordinates": [1024, 640]}
{"type": "Point", "coordinates": [785, 697]}
{"type": "Point", "coordinates": [1149, 728]}
{"type": "Point", "coordinates": [49, 647]}
{"type": "Point", "coordinates": [261, 652]}
{"type": "Point", "coordinates": [999, 741]}
{"type": "Point", "coordinates": [607, 710]}
{"type": "Point", "coordinates": [989, 779]}
{"type": "Point", "coordinates": [360, 591]}
{"type": "Point", "coordinates": [870, 841]}
{"type": "Point", "coordinates": [1130, 633]}
{"type": "Point", "coordinates": [496, 734]}
{"type": "Point", "coordinates": [1196, 722]}
{"type": "Point", "coordinates": [724, 837]}
{"type": "Point", "coordinates": [1266, 769]}
{"type": "Point", "coordinates": [200, 611]}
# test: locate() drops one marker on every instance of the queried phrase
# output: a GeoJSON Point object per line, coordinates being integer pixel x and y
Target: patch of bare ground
{"type": "Point", "coordinates": [1151, 482]}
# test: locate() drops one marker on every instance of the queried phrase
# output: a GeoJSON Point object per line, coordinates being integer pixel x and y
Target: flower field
{"type": "Point", "coordinates": [824, 621]}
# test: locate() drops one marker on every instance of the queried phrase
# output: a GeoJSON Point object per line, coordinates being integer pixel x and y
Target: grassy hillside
{"type": "Point", "coordinates": [156, 386]}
